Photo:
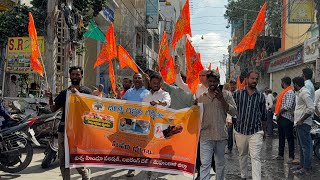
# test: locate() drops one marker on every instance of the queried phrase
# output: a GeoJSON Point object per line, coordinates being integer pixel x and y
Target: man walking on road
{"type": "Point", "coordinates": [213, 138]}
{"type": "Point", "coordinates": [284, 110]}
{"type": "Point", "coordinates": [251, 107]}
{"type": "Point", "coordinates": [76, 74]}
{"type": "Point", "coordinates": [304, 110]}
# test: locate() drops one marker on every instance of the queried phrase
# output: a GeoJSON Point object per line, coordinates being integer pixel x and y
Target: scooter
{"type": "Point", "coordinates": [51, 151]}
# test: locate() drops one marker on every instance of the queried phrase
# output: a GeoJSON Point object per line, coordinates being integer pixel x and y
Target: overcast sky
{"type": "Point", "coordinates": [207, 20]}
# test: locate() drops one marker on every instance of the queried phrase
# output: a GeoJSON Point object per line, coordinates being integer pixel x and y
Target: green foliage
{"type": "Point", "coordinates": [15, 22]}
{"type": "Point", "coordinates": [236, 9]}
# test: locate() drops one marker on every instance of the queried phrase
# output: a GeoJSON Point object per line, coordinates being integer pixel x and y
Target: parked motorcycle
{"type": "Point", "coordinates": [51, 151]}
{"type": "Point", "coordinates": [315, 135]}
{"type": "Point", "coordinates": [15, 143]}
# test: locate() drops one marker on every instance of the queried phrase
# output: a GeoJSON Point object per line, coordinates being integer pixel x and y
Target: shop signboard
{"type": "Point", "coordinates": [19, 52]}
{"type": "Point", "coordinates": [301, 11]}
{"type": "Point", "coordinates": [286, 60]}
{"type": "Point", "coordinates": [311, 50]}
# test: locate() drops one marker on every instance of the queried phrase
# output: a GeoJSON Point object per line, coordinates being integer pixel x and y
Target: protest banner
{"type": "Point", "coordinates": [128, 135]}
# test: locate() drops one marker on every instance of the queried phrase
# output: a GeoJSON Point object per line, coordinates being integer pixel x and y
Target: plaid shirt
{"type": "Point", "coordinates": [288, 103]}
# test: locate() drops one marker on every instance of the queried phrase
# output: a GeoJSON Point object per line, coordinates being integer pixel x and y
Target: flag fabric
{"type": "Point", "coordinates": [182, 25]}
{"type": "Point", "coordinates": [126, 60]}
{"type": "Point", "coordinates": [217, 69]}
{"type": "Point", "coordinates": [109, 48]}
{"type": "Point", "coordinates": [34, 59]}
{"type": "Point", "coordinates": [94, 32]}
{"type": "Point", "coordinates": [166, 62]}
{"type": "Point", "coordinates": [194, 67]}
{"type": "Point", "coordinates": [239, 84]}
{"type": "Point", "coordinates": [209, 67]}
{"type": "Point", "coordinates": [112, 78]}
{"type": "Point", "coordinates": [249, 41]}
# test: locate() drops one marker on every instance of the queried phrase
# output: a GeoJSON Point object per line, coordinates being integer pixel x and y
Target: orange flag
{"type": "Point", "coordinates": [112, 78]}
{"type": "Point", "coordinates": [249, 41]}
{"type": "Point", "coordinates": [217, 69]}
{"type": "Point", "coordinates": [209, 67]}
{"type": "Point", "coordinates": [182, 25]}
{"type": "Point", "coordinates": [194, 67]}
{"type": "Point", "coordinates": [35, 64]}
{"type": "Point", "coordinates": [166, 62]}
{"type": "Point", "coordinates": [239, 84]}
{"type": "Point", "coordinates": [109, 48]}
{"type": "Point", "coordinates": [126, 60]}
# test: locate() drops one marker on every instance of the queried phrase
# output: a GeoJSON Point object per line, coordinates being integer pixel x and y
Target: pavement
{"type": "Point", "coordinates": [271, 169]}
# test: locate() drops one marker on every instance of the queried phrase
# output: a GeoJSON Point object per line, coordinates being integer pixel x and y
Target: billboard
{"type": "Point", "coordinates": [152, 14]}
{"type": "Point", "coordinates": [301, 11]}
{"type": "Point", "coordinates": [19, 52]}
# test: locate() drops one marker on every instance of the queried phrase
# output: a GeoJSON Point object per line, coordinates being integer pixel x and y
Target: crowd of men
{"type": "Point", "coordinates": [228, 112]}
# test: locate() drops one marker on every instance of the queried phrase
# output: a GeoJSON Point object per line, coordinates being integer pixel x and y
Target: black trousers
{"type": "Point", "coordinates": [285, 128]}
{"type": "Point", "coordinates": [230, 134]}
{"type": "Point", "coordinates": [198, 161]}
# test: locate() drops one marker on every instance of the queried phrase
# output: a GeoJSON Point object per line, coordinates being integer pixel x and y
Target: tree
{"type": "Point", "coordinates": [236, 9]}
{"type": "Point", "coordinates": [14, 22]}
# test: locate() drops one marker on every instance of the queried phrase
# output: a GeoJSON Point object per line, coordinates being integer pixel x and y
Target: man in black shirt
{"type": "Point", "coordinates": [76, 74]}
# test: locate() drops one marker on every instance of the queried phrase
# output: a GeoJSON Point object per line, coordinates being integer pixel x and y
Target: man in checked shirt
{"type": "Point", "coordinates": [251, 107]}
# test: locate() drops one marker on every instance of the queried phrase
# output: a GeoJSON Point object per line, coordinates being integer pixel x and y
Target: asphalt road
{"type": "Point", "coordinates": [271, 169]}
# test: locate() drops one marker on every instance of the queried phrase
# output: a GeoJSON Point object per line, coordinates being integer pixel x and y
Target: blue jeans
{"type": "Point", "coordinates": [207, 149]}
{"type": "Point", "coordinates": [305, 142]}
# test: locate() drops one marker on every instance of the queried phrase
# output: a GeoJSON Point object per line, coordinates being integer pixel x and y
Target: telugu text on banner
{"type": "Point", "coordinates": [121, 134]}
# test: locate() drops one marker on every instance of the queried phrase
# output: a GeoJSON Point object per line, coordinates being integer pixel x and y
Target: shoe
{"type": "Point", "coordinates": [301, 172]}
{"type": "Point", "coordinates": [290, 161]}
{"type": "Point", "coordinates": [87, 174]}
{"type": "Point", "coordinates": [296, 162]}
{"type": "Point", "coordinates": [296, 168]}
{"type": "Point", "coordinates": [130, 173]}
{"type": "Point", "coordinates": [278, 158]}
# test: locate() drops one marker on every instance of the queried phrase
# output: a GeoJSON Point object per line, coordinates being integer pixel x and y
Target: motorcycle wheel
{"type": "Point", "coordinates": [11, 166]}
{"type": "Point", "coordinates": [49, 158]}
{"type": "Point", "coordinates": [317, 150]}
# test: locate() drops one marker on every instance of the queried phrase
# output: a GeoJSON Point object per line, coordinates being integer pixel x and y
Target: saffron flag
{"type": "Point", "coordinates": [249, 41]}
{"type": "Point", "coordinates": [109, 48]}
{"type": "Point", "coordinates": [166, 62]}
{"type": "Point", "coordinates": [126, 60]}
{"type": "Point", "coordinates": [35, 63]}
{"type": "Point", "coordinates": [194, 67]}
{"type": "Point", "coordinates": [112, 78]}
{"type": "Point", "coordinates": [182, 25]}
{"type": "Point", "coordinates": [209, 67]}
{"type": "Point", "coordinates": [239, 84]}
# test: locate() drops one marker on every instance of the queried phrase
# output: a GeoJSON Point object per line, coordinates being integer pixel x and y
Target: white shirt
{"type": "Point", "coordinates": [316, 100]}
{"type": "Point", "coordinates": [12, 90]}
{"type": "Point", "coordinates": [304, 105]}
{"type": "Point", "coordinates": [200, 90]}
{"type": "Point", "coordinates": [160, 95]}
{"type": "Point", "coordinates": [309, 86]}
{"type": "Point", "coordinates": [269, 101]}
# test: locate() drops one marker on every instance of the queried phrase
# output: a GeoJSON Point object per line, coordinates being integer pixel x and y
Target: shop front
{"type": "Point", "coordinates": [289, 63]}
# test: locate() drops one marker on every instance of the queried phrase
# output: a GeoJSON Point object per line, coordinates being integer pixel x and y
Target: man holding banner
{"type": "Point", "coordinates": [76, 74]}
{"type": "Point", "coordinates": [213, 137]}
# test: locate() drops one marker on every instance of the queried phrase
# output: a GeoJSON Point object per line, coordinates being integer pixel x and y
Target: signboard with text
{"type": "Point", "coordinates": [301, 11]}
{"type": "Point", "coordinates": [19, 52]}
{"type": "Point", "coordinates": [311, 50]}
{"type": "Point", "coordinates": [287, 60]}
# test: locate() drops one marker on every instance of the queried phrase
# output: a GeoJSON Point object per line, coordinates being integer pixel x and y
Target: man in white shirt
{"type": "Point", "coordinates": [304, 110]}
{"type": "Point", "coordinates": [317, 102]}
{"type": "Point", "coordinates": [269, 104]}
{"type": "Point", "coordinates": [157, 96]}
{"type": "Point", "coordinates": [307, 75]}
{"type": "Point", "coordinates": [12, 90]}
{"type": "Point", "coordinates": [202, 88]}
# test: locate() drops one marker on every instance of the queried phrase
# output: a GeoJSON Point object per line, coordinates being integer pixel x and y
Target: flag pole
{"type": "Point", "coordinates": [44, 69]}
